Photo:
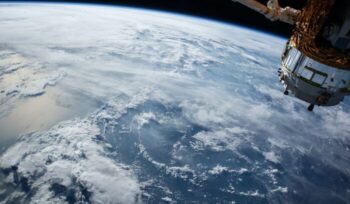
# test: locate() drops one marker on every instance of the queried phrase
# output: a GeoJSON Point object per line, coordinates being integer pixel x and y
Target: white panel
{"type": "Point", "coordinates": [318, 78]}
{"type": "Point", "coordinates": [295, 60]}
{"type": "Point", "coordinates": [306, 73]}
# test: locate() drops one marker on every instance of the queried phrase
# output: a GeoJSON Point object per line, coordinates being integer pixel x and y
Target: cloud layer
{"type": "Point", "coordinates": [185, 104]}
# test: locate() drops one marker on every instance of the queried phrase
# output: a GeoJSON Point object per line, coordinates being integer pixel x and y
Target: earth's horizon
{"type": "Point", "coordinates": [102, 104]}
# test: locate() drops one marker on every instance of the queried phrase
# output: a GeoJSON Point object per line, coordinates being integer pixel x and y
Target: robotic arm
{"type": "Point", "coordinates": [272, 10]}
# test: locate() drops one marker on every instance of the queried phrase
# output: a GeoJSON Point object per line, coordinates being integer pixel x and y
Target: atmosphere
{"type": "Point", "coordinates": [221, 10]}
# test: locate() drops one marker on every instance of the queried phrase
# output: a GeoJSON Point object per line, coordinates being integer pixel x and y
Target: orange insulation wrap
{"type": "Point", "coordinates": [307, 34]}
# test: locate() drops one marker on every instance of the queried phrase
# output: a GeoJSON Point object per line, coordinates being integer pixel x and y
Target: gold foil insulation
{"type": "Point", "coordinates": [307, 36]}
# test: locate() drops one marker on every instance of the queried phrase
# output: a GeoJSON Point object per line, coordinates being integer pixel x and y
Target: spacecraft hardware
{"type": "Point", "coordinates": [315, 64]}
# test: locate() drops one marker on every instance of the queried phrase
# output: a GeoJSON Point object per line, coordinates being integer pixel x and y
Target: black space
{"type": "Point", "coordinates": [222, 10]}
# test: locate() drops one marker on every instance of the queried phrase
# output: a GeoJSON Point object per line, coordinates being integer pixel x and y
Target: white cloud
{"type": "Point", "coordinates": [222, 140]}
{"type": "Point", "coordinates": [280, 189]}
{"type": "Point", "coordinates": [68, 155]}
{"type": "Point", "coordinates": [271, 156]}
{"type": "Point", "coordinates": [218, 169]}
{"type": "Point", "coordinates": [144, 118]}
{"type": "Point", "coordinates": [252, 193]}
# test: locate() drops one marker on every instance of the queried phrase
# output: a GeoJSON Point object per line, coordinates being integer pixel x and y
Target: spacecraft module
{"type": "Point", "coordinates": [315, 65]}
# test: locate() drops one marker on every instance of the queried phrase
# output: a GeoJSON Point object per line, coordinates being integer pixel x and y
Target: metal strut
{"type": "Point", "coordinates": [273, 11]}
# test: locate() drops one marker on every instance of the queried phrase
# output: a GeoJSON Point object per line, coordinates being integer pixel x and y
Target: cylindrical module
{"type": "Point", "coordinates": [316, 62]}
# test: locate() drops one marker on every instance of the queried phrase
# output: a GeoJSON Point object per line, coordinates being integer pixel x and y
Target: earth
{"type": "Point", "coordinates": [105, 104]}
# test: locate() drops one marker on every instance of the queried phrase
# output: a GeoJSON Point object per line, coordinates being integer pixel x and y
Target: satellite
{"type": "Point", "coordinates": [315, 64]}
